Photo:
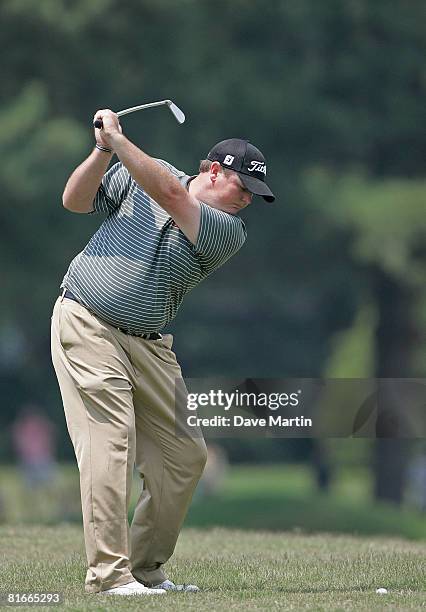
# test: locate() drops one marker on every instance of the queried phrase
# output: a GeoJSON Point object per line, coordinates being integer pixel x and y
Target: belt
{"type": "Point", "coordinates": [66, 293]}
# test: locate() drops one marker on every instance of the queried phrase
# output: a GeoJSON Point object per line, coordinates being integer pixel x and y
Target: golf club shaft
{"type": "Point", "coordinates": [133, 109]}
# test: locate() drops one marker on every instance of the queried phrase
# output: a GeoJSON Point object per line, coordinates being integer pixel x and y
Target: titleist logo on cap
{"type": "Point", "coordinates": [257, 166]}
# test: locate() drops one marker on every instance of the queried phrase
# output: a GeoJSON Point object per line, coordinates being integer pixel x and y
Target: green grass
{"type": "Point", "coordinates": [236, 569]}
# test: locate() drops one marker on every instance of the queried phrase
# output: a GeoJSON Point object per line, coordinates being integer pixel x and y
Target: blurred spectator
{"type": "Point", "coordinates": [417, 481]}
{"type": "Point", "coordinates": [2, 508]}
{"type": "Point", "coordinates": [214, 472]}
{"type": "Point", "coordinates": [321, 465]}
{"type": "Point", "coordinates": [33, 436]}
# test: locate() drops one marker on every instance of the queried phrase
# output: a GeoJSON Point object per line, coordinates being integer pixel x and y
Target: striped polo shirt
{"type": "Point", "coordinates": [138, 266]}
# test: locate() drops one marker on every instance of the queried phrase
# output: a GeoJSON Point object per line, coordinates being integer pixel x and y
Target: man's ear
{"type": "Point", "coordinates": [215, 169]}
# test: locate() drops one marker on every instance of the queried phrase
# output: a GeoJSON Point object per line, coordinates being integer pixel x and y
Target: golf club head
{"type": "Point", "coordinates": [178, 114]}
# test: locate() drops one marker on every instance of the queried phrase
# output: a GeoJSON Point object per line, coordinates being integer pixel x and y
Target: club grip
{"type": "Point", "coordinates": [98, 124]}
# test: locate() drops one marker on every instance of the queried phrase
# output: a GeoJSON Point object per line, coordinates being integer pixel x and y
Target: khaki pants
{"type": "Point", "coordinates": [118, 393]}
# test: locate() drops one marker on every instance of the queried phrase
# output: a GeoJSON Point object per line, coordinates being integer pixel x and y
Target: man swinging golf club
{"type": "Point", "coordinates": [164, 232]}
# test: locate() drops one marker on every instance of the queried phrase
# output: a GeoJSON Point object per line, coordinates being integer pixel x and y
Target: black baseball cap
{"type": "Point", "coordinates": [245, 159]}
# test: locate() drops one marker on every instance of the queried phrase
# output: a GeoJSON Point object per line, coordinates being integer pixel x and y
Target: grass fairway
{"type": "Point", "coordinates": [237, 570]}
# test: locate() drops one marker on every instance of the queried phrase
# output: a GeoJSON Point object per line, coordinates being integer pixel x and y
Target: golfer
{"type": "Point", "coordinates": [164, 232]}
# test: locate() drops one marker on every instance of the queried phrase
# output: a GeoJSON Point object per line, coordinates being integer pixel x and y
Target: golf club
{"type": "Point", "coordinates": [175, 110]}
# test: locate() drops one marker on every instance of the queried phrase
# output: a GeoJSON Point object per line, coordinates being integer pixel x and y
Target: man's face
{"type": "Point", "coordinates": [229, 193]}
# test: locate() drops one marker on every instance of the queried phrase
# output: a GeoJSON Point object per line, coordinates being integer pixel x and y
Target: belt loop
{"type": "Point", "coordinates": [64, 290]}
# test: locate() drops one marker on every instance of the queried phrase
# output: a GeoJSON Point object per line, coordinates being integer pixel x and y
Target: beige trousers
{"type": "Point", "coordinates": [118, 393]}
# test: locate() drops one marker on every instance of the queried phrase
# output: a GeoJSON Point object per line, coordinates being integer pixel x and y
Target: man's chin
{"type": "Point", "coordinates": [228, 208]}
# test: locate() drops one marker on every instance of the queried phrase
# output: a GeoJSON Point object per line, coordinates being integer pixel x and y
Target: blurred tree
{"type": "Point", "coordinates": [387, 226]}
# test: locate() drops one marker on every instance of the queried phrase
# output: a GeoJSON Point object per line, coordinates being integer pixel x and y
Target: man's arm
{"type": "Point", "coordinates": [83, 184]}
{"type": "Point", "coordinates": [156, 180]}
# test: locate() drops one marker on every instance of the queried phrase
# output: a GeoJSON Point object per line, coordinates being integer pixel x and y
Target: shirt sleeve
{"type": "Point", "coordinates": [177, 173]}
{"type": "Point", "coordinates": [113, 190]}
{"type": "Point", "coordinates": [220, 236]}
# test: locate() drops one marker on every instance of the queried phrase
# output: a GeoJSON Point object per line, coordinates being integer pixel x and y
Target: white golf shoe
{"type": "Point", "coordinates": [168, 585]}
{"type": "Point", "coordinates": [133, 588]}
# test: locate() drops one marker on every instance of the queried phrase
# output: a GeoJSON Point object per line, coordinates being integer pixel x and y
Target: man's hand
{"type": "Point", "coordinates": [111, 127]}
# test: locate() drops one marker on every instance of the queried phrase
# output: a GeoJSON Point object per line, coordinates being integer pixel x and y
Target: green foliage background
{"type": "Point", "coordinates": [333, 92]}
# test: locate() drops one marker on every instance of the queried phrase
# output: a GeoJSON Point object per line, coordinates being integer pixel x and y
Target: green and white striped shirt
{"type": "Point", "coordinates": [138, 266]}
